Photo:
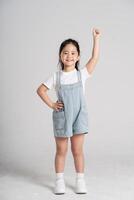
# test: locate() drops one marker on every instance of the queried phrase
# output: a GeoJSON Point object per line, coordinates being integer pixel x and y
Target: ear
{"type": "Point", "coordinates": [78, 58]}
{"type": "Point", "coordinates": [60, 57]}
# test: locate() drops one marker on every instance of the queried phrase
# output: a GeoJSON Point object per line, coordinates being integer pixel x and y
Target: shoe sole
{"type": "Point", "coordinates": [81, 192]}
{"type": "Point", "coordinates": [59, 193]}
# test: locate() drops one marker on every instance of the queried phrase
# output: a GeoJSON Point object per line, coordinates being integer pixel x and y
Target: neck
{"type": "Point", "coordinates": [68, 69]}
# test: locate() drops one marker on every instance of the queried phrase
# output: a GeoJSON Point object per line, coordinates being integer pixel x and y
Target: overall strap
{"type": "Point", "coordinates": [58, 84]}
{"type": "Point", "coordinates": [58, 79]}
{"type": "Point", "coordinates": [79, 75]}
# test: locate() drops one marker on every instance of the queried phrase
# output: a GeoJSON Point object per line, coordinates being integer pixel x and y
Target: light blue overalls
{"type": "Point", "coordinates": [72, 119]}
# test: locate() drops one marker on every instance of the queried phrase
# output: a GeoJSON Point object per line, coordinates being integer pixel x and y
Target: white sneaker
{"type": "Point", "coordinates": [80, 187]}
{"type": "Point", "coordinates": [59, 186]}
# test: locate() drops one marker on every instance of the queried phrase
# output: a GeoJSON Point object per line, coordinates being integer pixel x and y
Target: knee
{"type": "Point", "coordinates": [76, 151]}
{"type": "Point", "coordinates": [61, 151]}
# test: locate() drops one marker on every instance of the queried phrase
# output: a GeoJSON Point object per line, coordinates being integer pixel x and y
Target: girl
{"type": "Point", "coordinates": [70, 117]}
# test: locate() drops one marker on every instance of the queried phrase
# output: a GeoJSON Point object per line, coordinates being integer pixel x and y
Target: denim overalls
{"type": "Point", "coordinates": [72, 119]}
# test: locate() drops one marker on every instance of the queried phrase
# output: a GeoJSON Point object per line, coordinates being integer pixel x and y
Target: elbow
{"type": "Point", "coordinates": [38, 91]}
{"type": "Point", "coordinates": [95, 58]}
{"type": "Point", "coordinates": [41, 90]}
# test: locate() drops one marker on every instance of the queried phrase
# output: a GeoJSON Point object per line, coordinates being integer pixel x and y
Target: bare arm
{"type": "Point", "coordinates": [95, 52]}
{"type": "Point", "coordinates": [42, 92]}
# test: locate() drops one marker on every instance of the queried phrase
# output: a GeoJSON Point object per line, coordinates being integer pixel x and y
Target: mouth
{"type": "Point", "coordinates": [69, 60]}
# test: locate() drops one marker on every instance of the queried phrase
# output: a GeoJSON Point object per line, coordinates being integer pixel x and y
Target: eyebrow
{"type": "Point", "coordinates": [67, 51]}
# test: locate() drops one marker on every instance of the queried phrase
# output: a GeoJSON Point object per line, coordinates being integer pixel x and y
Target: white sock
{"type": "Point", "coordinates": [79, 175]}
{"type": "Point", "coordinates": [59, 175]}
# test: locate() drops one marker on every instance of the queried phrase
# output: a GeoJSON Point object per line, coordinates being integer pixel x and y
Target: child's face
{"type": "Point", "coordinates": [69, 55]}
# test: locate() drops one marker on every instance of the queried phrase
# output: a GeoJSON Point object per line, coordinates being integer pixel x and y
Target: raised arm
{"type": "Point", "coordinates": [95, 52]}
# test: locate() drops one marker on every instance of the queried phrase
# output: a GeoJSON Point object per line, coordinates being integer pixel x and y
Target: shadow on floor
{"type": "Point", "coordinates": [44, 180]}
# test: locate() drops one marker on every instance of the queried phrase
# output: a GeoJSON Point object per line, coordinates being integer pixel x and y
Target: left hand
{"type": "Point", "coordinates": [96, 33]}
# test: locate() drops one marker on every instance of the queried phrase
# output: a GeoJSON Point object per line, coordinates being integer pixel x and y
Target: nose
{"type": "Point", "coordinates": [69, 56]}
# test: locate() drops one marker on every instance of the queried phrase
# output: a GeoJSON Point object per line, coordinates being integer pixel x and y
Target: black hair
{"type": "Point", "coordinates": [63, 44]}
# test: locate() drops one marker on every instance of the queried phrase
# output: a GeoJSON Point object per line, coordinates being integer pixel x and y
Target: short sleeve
{"type": "Point", "coordinates": [85, 73]}
{"type": "Point", "coordinates": [50, 81]}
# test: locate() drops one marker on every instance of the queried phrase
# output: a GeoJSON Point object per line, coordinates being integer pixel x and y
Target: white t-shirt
{"type": "Point", "coordinates": [68, 78]}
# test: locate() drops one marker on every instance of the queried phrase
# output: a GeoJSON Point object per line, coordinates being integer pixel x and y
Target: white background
{"type": "Point", "coordinates": [31, 33]}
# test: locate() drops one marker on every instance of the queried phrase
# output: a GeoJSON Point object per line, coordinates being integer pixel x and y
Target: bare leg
{"type": "Point", "coordinates": [61, 150]}
{"type": "Point", "coordinates": [77, 151]}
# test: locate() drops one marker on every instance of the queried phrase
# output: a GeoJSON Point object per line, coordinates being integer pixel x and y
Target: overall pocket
{"type": "Point", "coordinates": [59, 119]}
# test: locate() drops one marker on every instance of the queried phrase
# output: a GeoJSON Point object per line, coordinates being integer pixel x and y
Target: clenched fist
{"type": "Point", "coordinates": [96, 33]}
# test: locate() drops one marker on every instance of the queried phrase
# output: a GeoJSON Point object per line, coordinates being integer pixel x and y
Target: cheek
{"type": "Point", "coordinates": [76, 58]}
{"type": "Point", "coordinates": [62, 56]}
